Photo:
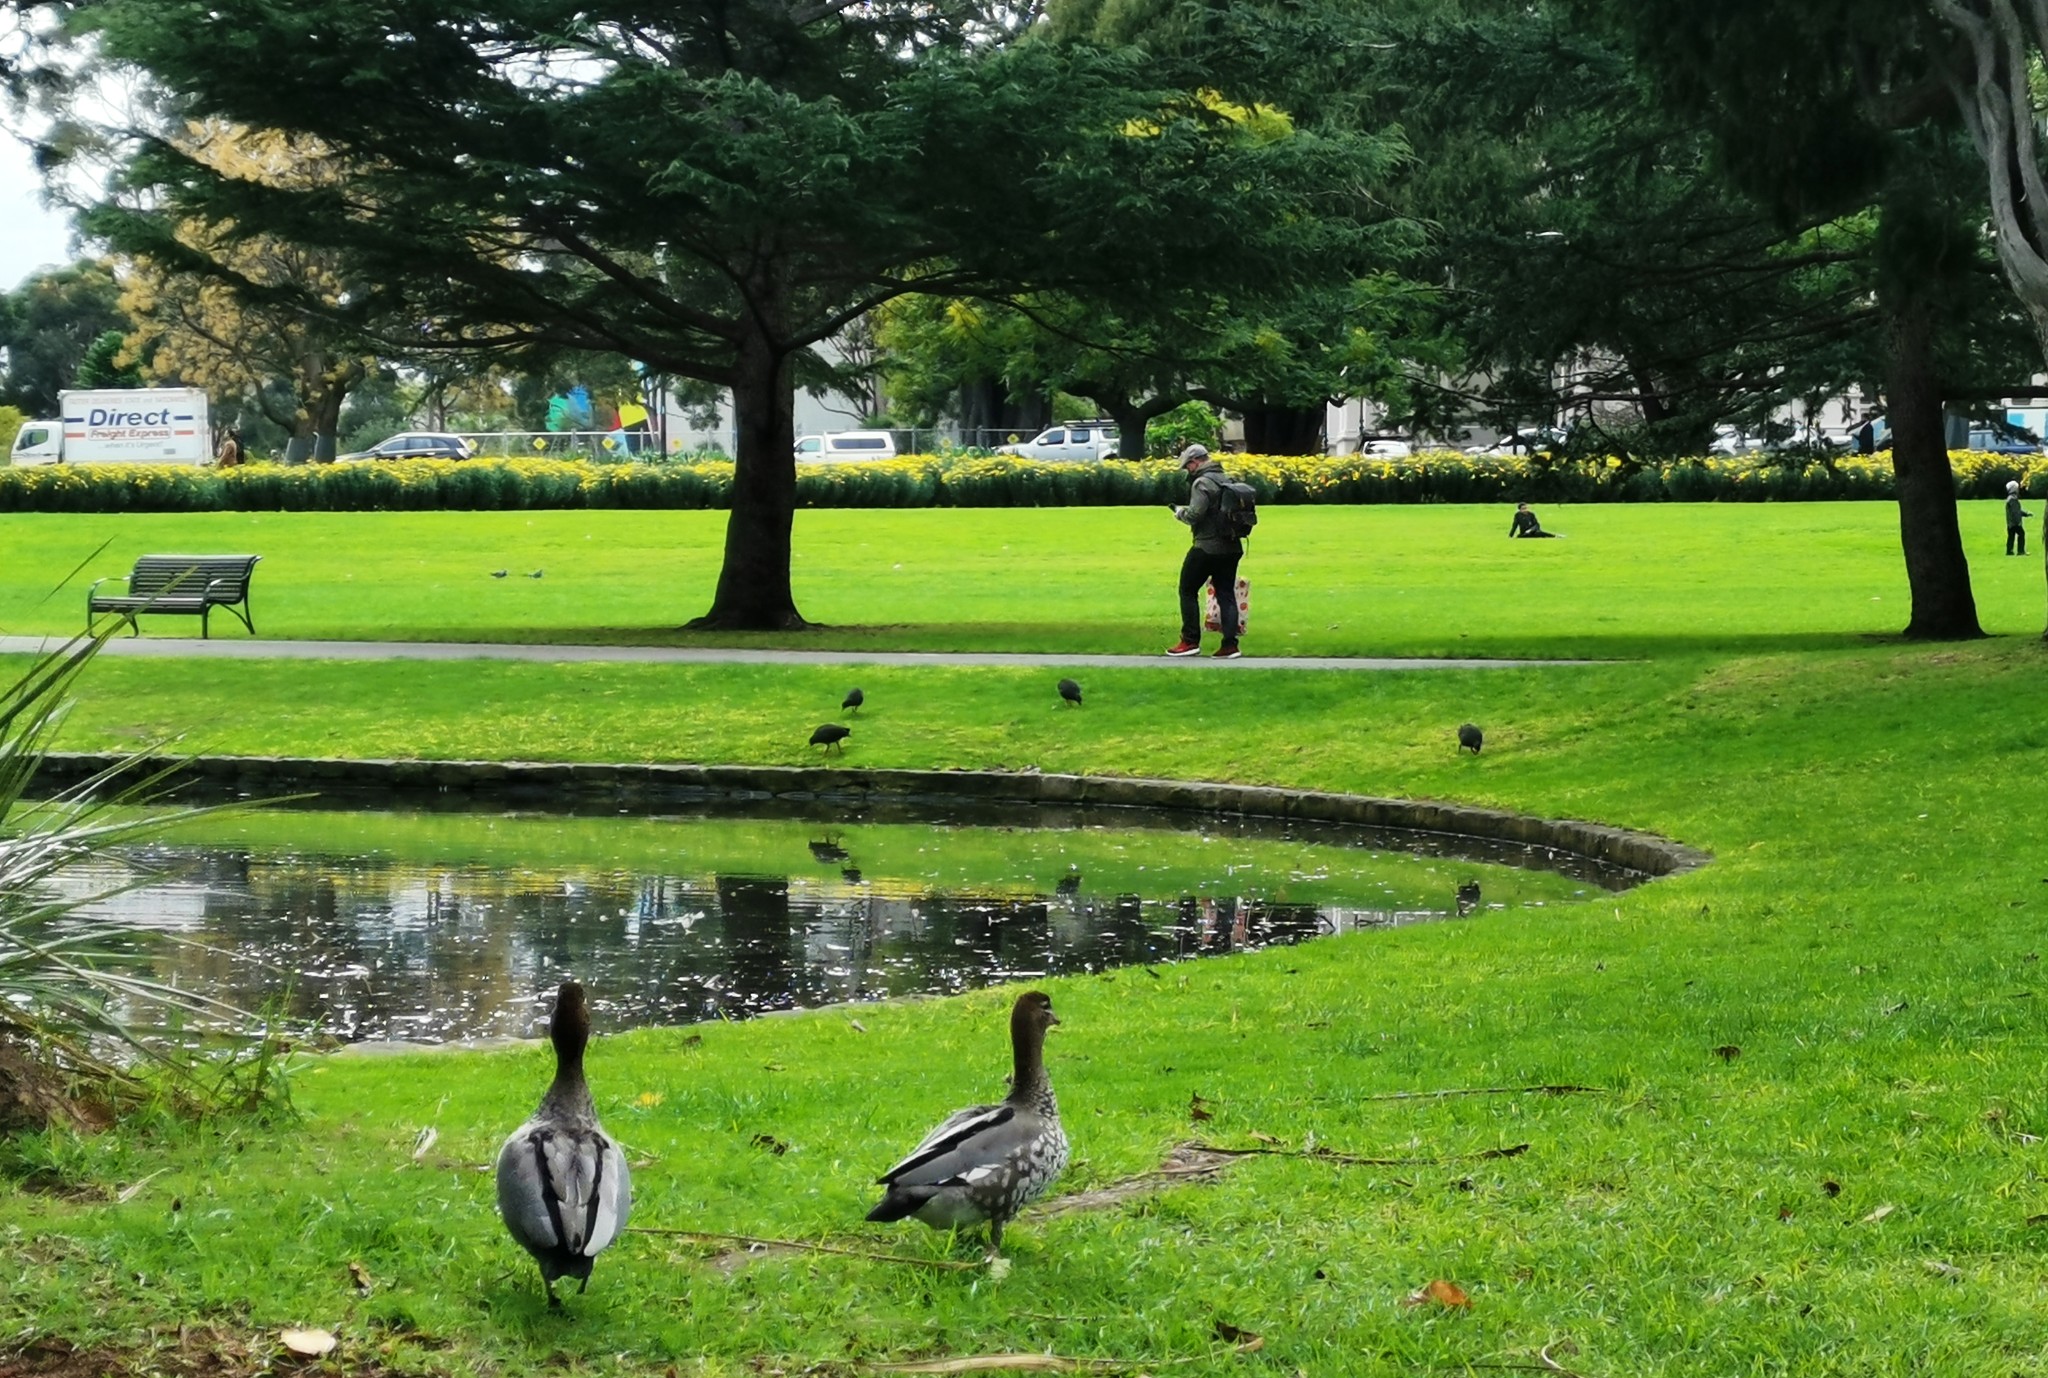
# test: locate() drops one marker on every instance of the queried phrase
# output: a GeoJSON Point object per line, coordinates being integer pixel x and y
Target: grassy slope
{"type": "Point", "coordinates": [1327, 580]}
{"type": "Point", "coordinates": [1868, 938]}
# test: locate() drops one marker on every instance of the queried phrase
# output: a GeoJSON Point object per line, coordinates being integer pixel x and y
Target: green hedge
{"type": "Point", "coordinates": [960, 481]}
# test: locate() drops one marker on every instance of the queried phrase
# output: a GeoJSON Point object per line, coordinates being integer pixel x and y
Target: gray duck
{"type": "Point", "coordinates": [988, 1162]}
{"type": "Point", "coordinates": [563, 1187]}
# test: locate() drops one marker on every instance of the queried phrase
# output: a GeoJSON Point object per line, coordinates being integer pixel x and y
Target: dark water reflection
{"type": "Point", "coordinates": [376, 948]}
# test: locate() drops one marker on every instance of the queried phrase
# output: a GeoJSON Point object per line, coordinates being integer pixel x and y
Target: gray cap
{"type": "Point", "coordinates": [1193, 453]}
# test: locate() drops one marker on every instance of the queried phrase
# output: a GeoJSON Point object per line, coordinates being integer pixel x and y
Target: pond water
{"type": "Point", "coordinates": [437, 926]}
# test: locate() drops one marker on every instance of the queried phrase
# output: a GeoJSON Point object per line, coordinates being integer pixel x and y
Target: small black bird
{"type": "Point", "coordinates": [1071, 692]}
{"type": "Point", "coordinates": [828, 850]}
{"type": "Point", "coordinates": [850, 874]}
{"type": "Point", "coordinates": [1070, 883]}
{"type": "Point", "coordinates": [536, 574]}
{"type": "Point", "coordinates": [853, 700]}
{"type": "Point", "coordinates": [500, 573]}
{"type": "Point", "coordinates": [1470, 738]}
{"type": "Point", "coordinates": [830, 735]}
{"type": "Point", "coordinates": [1468, 897]}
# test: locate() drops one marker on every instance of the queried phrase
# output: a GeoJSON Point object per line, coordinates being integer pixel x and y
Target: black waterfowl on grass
{"type": "Point", "coordinates": [563, 1187]}
{"type": "Point", "coordinates": [1069, 884]}
{"type": "Point", "coordinates": [853, 700]}
{"type": "Point", "coordinates": [988, 1162]}
{"type": "Point", "coordinates": [1470, 738]}
{"type": "Point", "coordinates": [827, 850]}
{"type": "Point", "coordinates": [1071, 692]}
{"type": "Point", "coordinates": [830, 735]}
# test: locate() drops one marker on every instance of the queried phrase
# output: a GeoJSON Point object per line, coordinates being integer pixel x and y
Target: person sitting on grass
{"type": "Point", "coordinates": [1525, 524]}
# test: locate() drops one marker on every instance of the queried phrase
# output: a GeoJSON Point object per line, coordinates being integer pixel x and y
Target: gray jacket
{"type": "Point", "coordinates": [1204, 512]}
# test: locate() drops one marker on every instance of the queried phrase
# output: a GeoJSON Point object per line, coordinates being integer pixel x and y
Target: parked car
{"type": "Point", "coordinates": [417, 445]}
{"type": "Point", "coordinates": [1070, 440]}
{"type": "Point", "coordinates": [1523, 442]}
{"type": "Point", "coordinates": [840, 445]}
{"type": "Point", "coordinates": [2001, 442]}
{"type": "Point", "coordinates": [1385, 447]}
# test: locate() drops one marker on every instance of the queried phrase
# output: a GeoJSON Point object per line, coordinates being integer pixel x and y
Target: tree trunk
{"type": "Point", "coordinates": [1132, 418]}
{"type": "Point", "coordinates": [1284, 430]}
{"type": "Point", "coordinates": [1937, 572]}
{"type": "Point", "coordinates": [753, 584]}
{"type": "Point", "coordinates": [326, 409]}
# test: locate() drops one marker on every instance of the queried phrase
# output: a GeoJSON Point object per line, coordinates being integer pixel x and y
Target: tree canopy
{"type": "Point", "coordinates": [711, 188]}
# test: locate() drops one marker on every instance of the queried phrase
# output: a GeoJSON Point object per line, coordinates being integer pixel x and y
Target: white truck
{"type": "Point", "coordinates": [121, 426]}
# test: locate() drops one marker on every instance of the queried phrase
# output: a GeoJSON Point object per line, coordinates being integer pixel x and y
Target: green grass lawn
{"type": "Point", "coordinates": [1326, 580]}
{"type": "Point", "coordinates": [1816, 1146]}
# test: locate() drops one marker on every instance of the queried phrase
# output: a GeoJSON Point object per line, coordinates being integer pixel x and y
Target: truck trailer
{"type": "Point", "coordinates": [121, 426]}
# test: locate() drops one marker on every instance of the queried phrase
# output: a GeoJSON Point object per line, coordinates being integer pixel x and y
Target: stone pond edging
{"type": "Point", "coordinates": [556, 784]}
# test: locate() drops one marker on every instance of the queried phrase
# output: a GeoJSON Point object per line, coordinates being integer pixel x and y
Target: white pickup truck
{"type": "Point", "coordinates": [121, 426]}
{"type": "Point", "coordinates": [1072, 440]}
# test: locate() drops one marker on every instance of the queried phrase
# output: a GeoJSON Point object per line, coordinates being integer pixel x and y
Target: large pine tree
{"type": "Point", "coordinates": [713, 186]}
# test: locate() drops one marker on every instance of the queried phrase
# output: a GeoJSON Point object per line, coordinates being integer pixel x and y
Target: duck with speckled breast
{"type": "Point", "coordinates": [563, 1187]}
{"type": "Point", "coordinates": [988, 1162]}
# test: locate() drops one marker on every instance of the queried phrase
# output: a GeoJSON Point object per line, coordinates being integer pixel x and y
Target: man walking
{"type": "Point", "coordinates": [2015, 520]}
{"type": "Point", "coordinates": [1213, 557]}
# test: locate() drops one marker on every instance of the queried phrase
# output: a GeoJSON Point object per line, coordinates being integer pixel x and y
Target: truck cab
{"type": "Point", "coordinates": [38, 442]}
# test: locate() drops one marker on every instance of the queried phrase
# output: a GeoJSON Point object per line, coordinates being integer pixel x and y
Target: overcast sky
{"type": "Point", "coordinates": [31, 236]}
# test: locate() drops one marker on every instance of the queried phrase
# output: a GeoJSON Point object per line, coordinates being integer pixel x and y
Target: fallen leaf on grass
{"type": "Point", "coordinates": [1264, 1138]}
{"type": "Point", "coordinates": [1442, 1293]}
{"type": "Point", "coordinates": [360, 1276]}
{"type": "Point", "coordinates": [856, 1026]}
{"type": "Point", "coordinates": [694, 1041]}
{"type": "Point", "coordinates": [309, 1344]}
{"type": "Point", "coordinates": [770, 1143]}
{"type": "Point", "coordinates": [1947, 1270]}
{"type": "Point", "coordinates": [1198, 1109]}
{"type": "Point", "coordinates": [1246, 1341]}
{"type": "Point", "coordinates": [423, 1141]}
{"type": "Point", "coordinates": [1728, 1052]}
{"type": "Point", "coordinates": [2037, 1220]}
{"type": "Point", "coordinates": [1880, 1213]}
{"type": "Point", "coordinates": [647, 1100]}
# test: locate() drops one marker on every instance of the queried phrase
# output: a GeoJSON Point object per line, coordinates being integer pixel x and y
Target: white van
{"type": "Point", "coordinates": [841, 445]}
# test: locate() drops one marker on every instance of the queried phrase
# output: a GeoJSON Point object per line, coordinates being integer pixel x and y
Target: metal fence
{"type": "Point", "coordinates": [628, 446]}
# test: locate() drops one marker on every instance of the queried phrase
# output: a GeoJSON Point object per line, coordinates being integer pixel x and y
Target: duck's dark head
{"type": "Point", "coordinates": [1029, 1019]}
{"type": "Point", "coordinates": [569, 1030]}
{"type": "Point", "coordinates": [1032, 1015]}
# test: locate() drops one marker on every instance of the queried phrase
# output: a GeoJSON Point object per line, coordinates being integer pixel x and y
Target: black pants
{"type": "Point", "coordinates": [1201, 568]}
{"type": "Point", "coordinates": [2015, 536]}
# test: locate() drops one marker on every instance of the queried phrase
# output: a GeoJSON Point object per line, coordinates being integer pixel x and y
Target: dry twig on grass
{"type": "Point", "coordinates": [1562, 1089]}
{"type": "Point", "coordinates": [796, 1246]}
{"type": "Point", "coordinates": [1330, 1155]}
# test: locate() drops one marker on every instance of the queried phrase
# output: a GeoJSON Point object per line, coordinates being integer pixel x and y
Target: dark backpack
{"type": "Point", "coordinates": [1239, 504]}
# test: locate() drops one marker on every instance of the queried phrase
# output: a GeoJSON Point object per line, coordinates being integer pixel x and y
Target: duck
{"type": "Point", "coordinates": [563, 1187]}
{"type": "Point", "coordinates": [988, 1162]}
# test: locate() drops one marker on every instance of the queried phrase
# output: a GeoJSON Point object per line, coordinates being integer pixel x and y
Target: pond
{"type": "Point", "coordinates": [441, 926]}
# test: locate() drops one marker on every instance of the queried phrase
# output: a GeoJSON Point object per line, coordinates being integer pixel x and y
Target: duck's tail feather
{"type": "Point", "coordinates": [901, 1203]}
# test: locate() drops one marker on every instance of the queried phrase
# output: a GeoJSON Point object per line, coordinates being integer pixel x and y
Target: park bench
{"type": "Point", "coordinates": [188, 584]}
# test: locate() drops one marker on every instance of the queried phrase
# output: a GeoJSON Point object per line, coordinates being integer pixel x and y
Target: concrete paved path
{"type": "Point", "coordinates": [245, 648]}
